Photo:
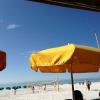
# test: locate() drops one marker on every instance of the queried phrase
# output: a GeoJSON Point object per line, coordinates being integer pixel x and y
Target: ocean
{"type": "Point", "coordinates": [79, 80]}
{"type": "Point", "coordinates": [48, 82]}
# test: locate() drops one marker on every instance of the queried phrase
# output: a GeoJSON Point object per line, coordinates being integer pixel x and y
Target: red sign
{"type": "Point", "coordinates": [2, 60]}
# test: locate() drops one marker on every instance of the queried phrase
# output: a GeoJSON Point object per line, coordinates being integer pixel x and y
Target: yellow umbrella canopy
{"type": "Point", "coordinates": [73, 58]}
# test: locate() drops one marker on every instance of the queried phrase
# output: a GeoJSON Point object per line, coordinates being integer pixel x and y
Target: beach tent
{"type": "Point", "coordinates": [72, 58]}
{"type": "Point", "coordinates": [2, 60]}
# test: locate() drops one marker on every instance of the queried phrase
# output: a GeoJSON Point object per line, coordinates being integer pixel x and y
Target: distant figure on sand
{"type": "Point", "coordinates": [55, 84]}
{"type": "Point", "coordinates": [44, 87]}
{"type": "Point", "coordinates": [82, 83]}
{"type": "Point", "coordinates": [33, 88]}
{"type": "Point", "coordinates": [79, 83]}
{"type": "Point", "coordinates": [78, 95]}
{"type": "Point", "coordinates": [88, 84]}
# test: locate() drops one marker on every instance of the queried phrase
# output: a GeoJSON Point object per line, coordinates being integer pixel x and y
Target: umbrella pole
{"type": "Point", "coordinates": [58, 82]}
{"type": "Point", "coordinates": [72, 83]}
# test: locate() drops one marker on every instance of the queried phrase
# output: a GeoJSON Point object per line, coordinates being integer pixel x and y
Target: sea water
{"type": "Point", "coordinates": [48, 82]}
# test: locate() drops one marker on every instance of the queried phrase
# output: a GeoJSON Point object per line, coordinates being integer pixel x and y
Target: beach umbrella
{"type": "Point", "coordinates": [68, 58]}
{"type": "Point", "coordinates": [8, 88]}
{"type": "Point", "coordinates": [15, 89]}
{"type": "Point", "coordinates": [2, 60]}
{"type": "Point", "coordinates": [1, 88]}
{"type": "Point", "coordinates": [24, 86]}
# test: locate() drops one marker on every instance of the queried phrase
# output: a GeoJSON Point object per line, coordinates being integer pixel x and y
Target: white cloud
{"type": "Point", "coordinates": [12, 26]}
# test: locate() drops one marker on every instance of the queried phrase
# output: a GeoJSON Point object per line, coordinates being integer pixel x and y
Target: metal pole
{"type": "Point", "coordinates": [97, 40]}
{"type": "Point", "coordinates": [72, 81]}
{"type": "Point", "coordinates": [58, 82]}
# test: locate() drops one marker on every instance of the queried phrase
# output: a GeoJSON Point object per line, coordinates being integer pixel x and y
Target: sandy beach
{"type": "Point", "coordinates": [51, 93]}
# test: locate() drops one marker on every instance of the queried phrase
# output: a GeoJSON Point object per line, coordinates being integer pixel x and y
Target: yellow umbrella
{"type": "Point", "coordinates": [72, 58]}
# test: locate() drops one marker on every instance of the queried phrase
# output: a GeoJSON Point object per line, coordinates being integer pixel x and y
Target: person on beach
{"type": "Point", "coordinates": [44, 87]}
{"type": "Point", "coordinates": [55, 84]}
{"type": "Point", "coordinates": [79, 83]}
{"type": "Point", "coordinates": [82, 83]}
{"type": "Point", "coordinates": [88, 84]}
{"type": "Point", "coordinates": [78, 95]}
{"type": "Point", "coordinates": [33, 88]}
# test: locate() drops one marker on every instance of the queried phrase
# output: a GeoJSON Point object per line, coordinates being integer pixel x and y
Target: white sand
{"type": "Point", "coordinates": [51, 93]}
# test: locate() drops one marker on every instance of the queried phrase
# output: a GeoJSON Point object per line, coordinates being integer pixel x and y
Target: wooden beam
{"type": "Point", "coordinates": [93, 5]}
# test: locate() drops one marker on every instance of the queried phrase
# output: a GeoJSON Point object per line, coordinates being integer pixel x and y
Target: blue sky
{"type": "Point", "coordinates": [27, 27]}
